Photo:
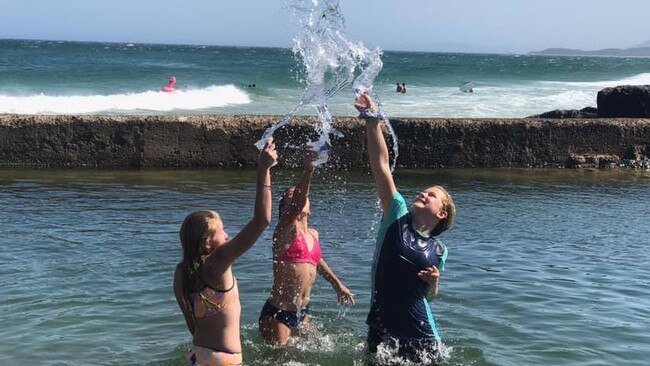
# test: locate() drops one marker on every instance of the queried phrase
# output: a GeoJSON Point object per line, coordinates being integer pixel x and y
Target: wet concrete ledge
{"type": "Point", "coordinates": [227, 141]}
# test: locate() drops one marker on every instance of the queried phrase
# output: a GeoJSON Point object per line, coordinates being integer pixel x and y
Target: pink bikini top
{"type": "Point", "coordinates": [298, 252]}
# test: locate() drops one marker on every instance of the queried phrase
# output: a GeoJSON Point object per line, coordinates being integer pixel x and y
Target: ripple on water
{"type": "Point", "coordinates": [543, 268]}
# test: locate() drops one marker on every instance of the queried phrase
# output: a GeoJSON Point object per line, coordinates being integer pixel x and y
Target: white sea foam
{"type": "Point", "coordinates": [640, 79]}
{"type": "Point", "coordinates": [495, 100]}
{"type": "Point", "coordinates": [150, 101]}
{"type": "Point", "coordinates": [489, 102]}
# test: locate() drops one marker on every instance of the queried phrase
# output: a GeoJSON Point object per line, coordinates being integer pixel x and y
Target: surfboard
{"type": "Point", "coordinates": [466, 87]}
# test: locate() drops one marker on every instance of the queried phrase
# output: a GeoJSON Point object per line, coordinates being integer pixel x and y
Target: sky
{"type": "Point", "coordinates": [501, 26]}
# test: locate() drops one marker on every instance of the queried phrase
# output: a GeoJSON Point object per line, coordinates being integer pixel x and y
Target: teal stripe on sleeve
{"type": "Point", "coordinates": [443, 260]}
{"type": "Point", "coordinates": [432, 322]}
{"type": "Point", "coordinates": [396, 210]}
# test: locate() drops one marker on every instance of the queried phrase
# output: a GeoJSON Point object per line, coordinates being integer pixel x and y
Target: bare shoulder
{"type": "Point", "coordinates": [313, 232]}
{"type": "Point", "coordinates": [215, 263]}
{"type": "Point", "coordinates": [178, 280]}
{"type": "Point", "coordinates": [179, 270]}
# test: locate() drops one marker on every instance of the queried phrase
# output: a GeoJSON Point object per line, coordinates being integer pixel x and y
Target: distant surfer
{"type": "Point", "coordinates": [467, 87]}
{"type": "Point", "coordinates": [403, 88]}
{"type": "Point", "coordinates": [399, 88]}
{"type": "Point", "coordinates": [170, 87]}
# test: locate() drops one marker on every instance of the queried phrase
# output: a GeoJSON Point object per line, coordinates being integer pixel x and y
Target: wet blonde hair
{"type": "Point", "coordinates": [196, 230]}
{"type": "Point", "coordinates": [450, 208]}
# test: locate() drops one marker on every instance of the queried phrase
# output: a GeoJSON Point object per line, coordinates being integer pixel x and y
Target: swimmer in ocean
{"type": "Point", "coordinates": [171, 86]}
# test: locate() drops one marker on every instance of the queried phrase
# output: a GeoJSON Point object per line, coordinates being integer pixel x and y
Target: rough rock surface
{"type": "Point", "coordinates": [227, 141]}
{"type": "Point", "coordinates": [587, 112]}
{"type": "Point", "coordinates": [626, 101]}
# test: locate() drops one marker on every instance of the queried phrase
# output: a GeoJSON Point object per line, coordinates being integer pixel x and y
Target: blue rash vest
{"type": "Point", "coordinates": [399, 305]}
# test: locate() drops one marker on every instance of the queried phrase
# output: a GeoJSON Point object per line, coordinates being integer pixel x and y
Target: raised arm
{"type": "Point", "coordinates": [377, 153]}
{"type": "Point", "coordinates": [342, 292]}
{"type": "Point", "coordinates": [301, 192]}
{"type": "Point", "coordinates": [283, 232]}
{"type": "Point", "coordinates": [262, 214]}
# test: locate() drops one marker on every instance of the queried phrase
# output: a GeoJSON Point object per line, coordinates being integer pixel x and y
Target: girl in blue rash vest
{"type": "Point", "coordinates": [408, 258]}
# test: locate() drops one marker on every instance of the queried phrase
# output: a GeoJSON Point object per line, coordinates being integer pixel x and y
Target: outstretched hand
{"type": "Point", "coordinates": [363, 102]}
{"type": "Point", "coordinates": [268, 155]}
{"type": "Point", "coordinates": [367, 108]}
{"type": "Point", "coordinates": [429, 275]}
{"type": "Point", "coordinates": [345, 297]}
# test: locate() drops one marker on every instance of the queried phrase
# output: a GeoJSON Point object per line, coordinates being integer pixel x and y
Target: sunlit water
{"type": "Point", "coordinates": [545, 267]}
{"type": "Point", "coordinates": [116, 78]}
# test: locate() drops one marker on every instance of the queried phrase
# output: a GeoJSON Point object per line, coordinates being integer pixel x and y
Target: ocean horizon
{"type": "Point", "coordinates": [71, 77]}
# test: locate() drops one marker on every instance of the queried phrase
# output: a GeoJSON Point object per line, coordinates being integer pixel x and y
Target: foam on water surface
{"type": "Point", "coordinates": [213, 96]}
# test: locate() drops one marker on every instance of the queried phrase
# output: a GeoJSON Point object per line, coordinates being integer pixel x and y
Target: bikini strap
{"type": "Point", "coordinates": [216, 289]}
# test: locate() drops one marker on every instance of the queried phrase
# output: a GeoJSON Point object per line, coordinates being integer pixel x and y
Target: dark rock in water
{"type": "Point", "coordinates": [560, 113]}
{"type": "Point", "coordinates": [587, 112]}
{"type": "Point", "coordinates": [628, 101]}
{"type": "Point", "coordinates": [637, 153]}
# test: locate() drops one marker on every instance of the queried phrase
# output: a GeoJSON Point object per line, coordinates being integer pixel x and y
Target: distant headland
{"type": "Point", "coordinates": [640, 50]}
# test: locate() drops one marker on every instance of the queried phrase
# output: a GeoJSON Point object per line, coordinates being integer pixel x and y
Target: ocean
{"type": "Point", "coordinates": [57, 77]}
{"type": "Point", "coordinates": [545, 267]}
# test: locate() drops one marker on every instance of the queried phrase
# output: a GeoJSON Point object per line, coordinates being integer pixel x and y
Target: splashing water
{"type": "Point", "coordinates": [331, 62]}
{"type": "Point", "coordinates": [388, 353]}
{"type": "Point", "coordinates": [343, 309]}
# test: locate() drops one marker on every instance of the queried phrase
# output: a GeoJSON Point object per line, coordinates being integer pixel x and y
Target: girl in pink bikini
{"type": "Point", "coordinates": [204, 285]}
{"type": "Point", "coordinates": [297, 257]}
